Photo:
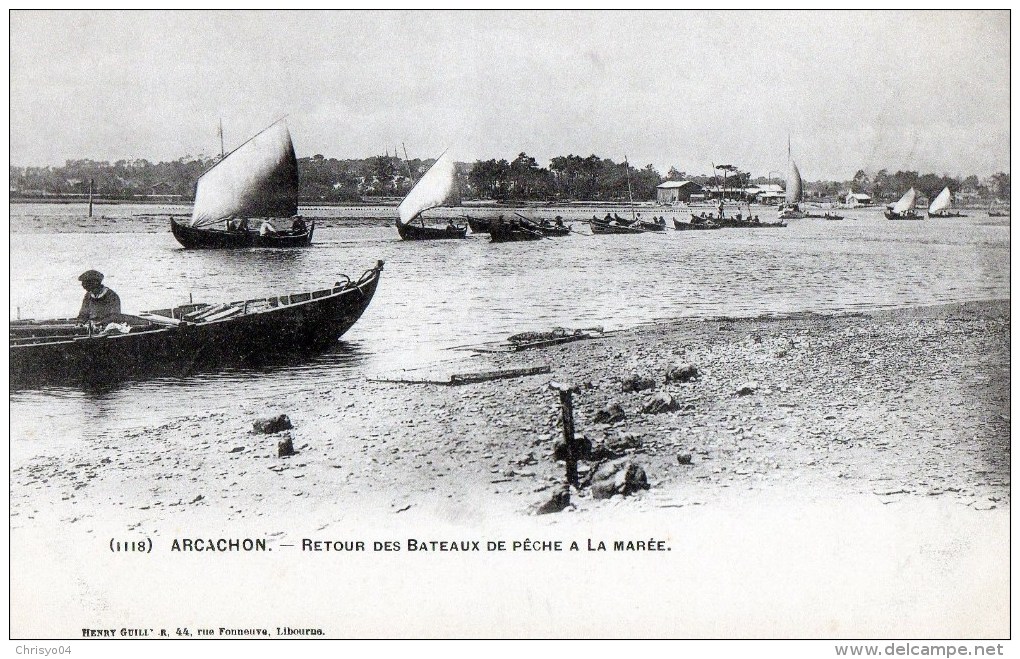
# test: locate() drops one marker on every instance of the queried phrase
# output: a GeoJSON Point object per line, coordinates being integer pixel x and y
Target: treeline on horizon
{"type": "Point", "coordinates": [567, 178]}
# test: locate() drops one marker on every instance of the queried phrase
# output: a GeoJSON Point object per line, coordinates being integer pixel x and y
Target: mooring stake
{"type": "Point", "coordinates": [567, 406]}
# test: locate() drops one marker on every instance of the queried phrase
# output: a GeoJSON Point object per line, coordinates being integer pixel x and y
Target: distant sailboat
{"type": "Point", "coordinates": [432, 190]}
{"type": "Point", "coordinates": [254, 183]}
{"type": "Point", "coordinates": [941, 205]}
{"type": "Point", "coordinates": [794, 195]}
{"type": "Point", "coordinates": [905, 208]}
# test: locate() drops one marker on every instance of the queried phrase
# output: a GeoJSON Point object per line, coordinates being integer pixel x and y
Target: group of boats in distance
{"type": "Point", "coordinates": [941, 206]}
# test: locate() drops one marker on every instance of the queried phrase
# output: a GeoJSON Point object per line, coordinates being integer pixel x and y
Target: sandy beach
{"type": "Point", "coordinates": [889, 422]}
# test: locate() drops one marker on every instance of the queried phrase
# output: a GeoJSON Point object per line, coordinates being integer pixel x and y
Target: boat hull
{"type": "Point", "coordinates": [733, 223]}
{"type": "Point", "coordinates": [600, 227]}
{"type": "Point", "coordinates": [703, 225]}
{"type": "Point", "coordinates": [893, 215]}
{"type": "Point", "coordinates": [289, 324]}
{"type": "Point", "coordinates": [479, 225]}
{"type": "Point", "coordinates": [945, 214]}
{"type": "Point", "coordinates": [417, 232]}
{"type": "Point", "coordinates": [196, 238]}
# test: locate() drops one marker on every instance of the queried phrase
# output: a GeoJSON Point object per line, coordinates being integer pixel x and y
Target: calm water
{"type": "Point", "coordinates": [435, 295]}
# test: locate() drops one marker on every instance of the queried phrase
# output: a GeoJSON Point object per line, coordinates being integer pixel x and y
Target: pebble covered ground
{"type": "Point", "coordinates": [895, 404]}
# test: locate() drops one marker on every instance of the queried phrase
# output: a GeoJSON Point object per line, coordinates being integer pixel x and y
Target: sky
{"type": "Point", "coordinates": [917, 90]}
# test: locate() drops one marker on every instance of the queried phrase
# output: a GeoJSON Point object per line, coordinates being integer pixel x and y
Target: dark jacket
{"type": "Point", "coordinates": [101, 307]}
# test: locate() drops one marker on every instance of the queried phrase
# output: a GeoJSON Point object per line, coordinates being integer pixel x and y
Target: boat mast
{"type": "Point", "coordinates": [222, 150]}
{"type": "Point", "coordinates": [629, 192]}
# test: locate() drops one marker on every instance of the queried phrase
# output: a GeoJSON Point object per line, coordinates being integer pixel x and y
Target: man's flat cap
{"type": "Point", "coordinates": [91, 275]}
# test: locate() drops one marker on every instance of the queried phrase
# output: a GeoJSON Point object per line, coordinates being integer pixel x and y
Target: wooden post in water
{"type": "Point", "coordinates": [92, 185]}
{"type": "Point", "coordinates": [567, 407]}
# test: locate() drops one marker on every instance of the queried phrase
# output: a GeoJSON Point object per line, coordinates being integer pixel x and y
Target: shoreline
{"type": "Point", "coordinates": [891, 379]}
{"type": "Point", "coordinates": [868, 472]}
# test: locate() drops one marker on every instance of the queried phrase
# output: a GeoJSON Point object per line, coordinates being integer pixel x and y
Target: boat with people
{"type": "Point", "coordinates": [942, 205]}
{"type": "Point", "coordinates": [613, 225]}
{"type": "Point", "coordinates": [176, 340]}
{"type": "Point", "coordinates": [791, 210]}
{"type": "Point", "coordinates": [995, 212]}
{"type": "Point", "coordinates": [696, 224]}
{"type": "Point", "coordinates": [737, 221]}
{"type": "Point", "coordinates": [905, 208]}
{"type": "Point", "coordinates": [479, 224]}
{"type": "Point", "coordinates": [656, 224]}
{"type": "Point", "coordinates": [823, 216]}
{"type": "Point", "coordinates": [434, 189]}
{"type": "Point", "coordinates": [249, 198]}
{"type": "Point", "coordinates": [514, 230]}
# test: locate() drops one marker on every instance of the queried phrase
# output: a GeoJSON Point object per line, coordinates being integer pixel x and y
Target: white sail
{"type": "Point", "coordinates": [258, 179]}
{"type": "Point", "coordinates": [941, 202]}
{"type": "Point", "coordinates": [432, 190]}
{"type": "Point", "coordinates": [906, 202]}
{"type": "Point", "coordinates": [794, 185]}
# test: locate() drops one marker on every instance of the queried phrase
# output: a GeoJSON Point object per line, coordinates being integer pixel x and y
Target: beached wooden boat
{"type": "Point", "coordinates": [178, 340]}
{"type": "Point", "coordinates": [435, 188]}
{"type": "Point", "coordinates": [255, 182]}
{"type": "Point", "coordinates": [905, 208]}
{"type": "Point", "coordinates": [941, 206]}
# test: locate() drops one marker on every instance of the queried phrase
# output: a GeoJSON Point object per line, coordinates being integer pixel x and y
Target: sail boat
{"type": "Point", "coordinates": [794, 195]}
{"type": "Point", "coordinates": [255, 183]}
{"type": "Point", "coordinates": [905, 208]}
{"type": "Point", "coordinates": [940, 206]}
{"type": "Point", "coordinates": [993, 212]}
{"type": "Point", "coordinates": [431, 191]}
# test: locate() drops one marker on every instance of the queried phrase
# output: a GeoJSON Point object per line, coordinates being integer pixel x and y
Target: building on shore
{"type": "Point", "coordinates": [766, 193]}
{"type": "Point", "coordinates": [672, 192]}
{"type": "Point", "coordinates": [855, 199]}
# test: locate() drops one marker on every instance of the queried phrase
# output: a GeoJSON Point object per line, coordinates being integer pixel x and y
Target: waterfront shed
{"type": "Point", "coordinates": [676, 191]}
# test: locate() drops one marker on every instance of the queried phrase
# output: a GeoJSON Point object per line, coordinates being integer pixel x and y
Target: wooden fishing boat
{"type": "Point", "coordinates": [602, 227]}
{"type": "Point", "coordinates": [255, 182]}
{"type": "Point", "coordinates": [478, 224]}
{"type": "Point", "coordinates": [905, 208]}
{"type": "Point", "coordinates": [941, 206]}
{"type": "Point", "coordinates": [202, 238]}
{"type": "Point", "coordinates": [176, 341]}
{"type": "Point", "coordinates": [734, 223]}
{"type": "Point", "coordinates": [551, 230]}
{"type": "Point", "coordinates": [651, 226]}
{"type": "Point", "coordinates": [823, 216]}
{"type": "Point", "coordinates": [435, 188]}
{"type": "Point", "coordinates": [700, 225]}
{"type": "Point", "coordinates": [794, 195]}
{"type": "Point", "coordinates": [998, 213]}
{"type": "Point", "coordinates": [512, 231]}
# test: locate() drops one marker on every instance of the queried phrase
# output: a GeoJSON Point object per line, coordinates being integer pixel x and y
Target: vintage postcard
{"type": "Point", "coordinates": [510, 324]}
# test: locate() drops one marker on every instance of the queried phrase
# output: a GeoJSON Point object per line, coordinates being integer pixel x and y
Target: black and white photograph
{"type": "Point", "coordinates": [517, 324]}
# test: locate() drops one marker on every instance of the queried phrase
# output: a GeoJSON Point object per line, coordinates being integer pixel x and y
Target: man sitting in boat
{"type": "Point", "coordinates": [101, 304]}
{"type": "Point", "coordinates": [451, 227]}
{"type": "Point", "coordinates": [298, 225]}
{"type": "Point", "coordinates": [267, 229]}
